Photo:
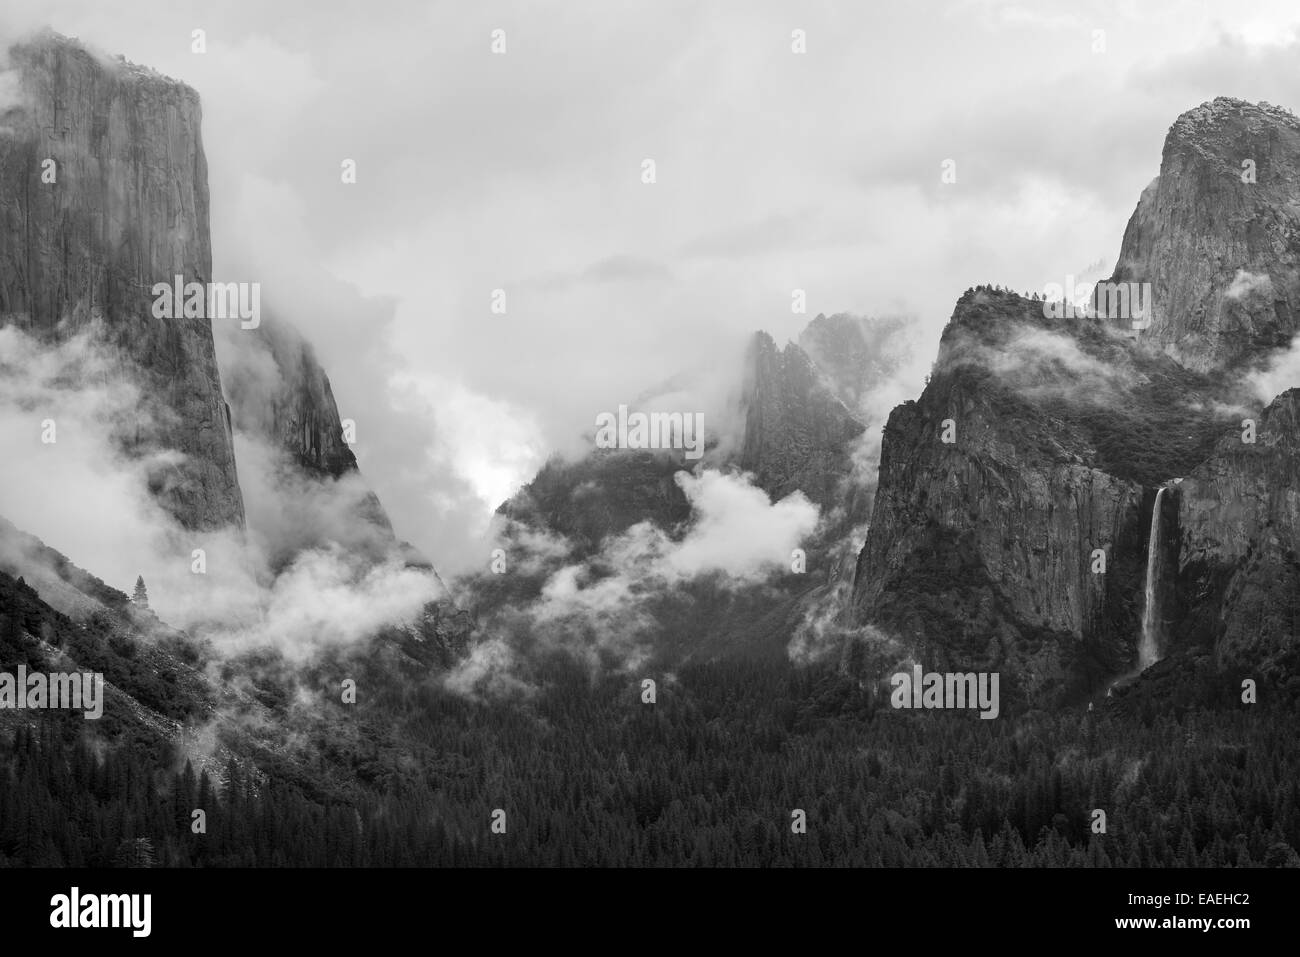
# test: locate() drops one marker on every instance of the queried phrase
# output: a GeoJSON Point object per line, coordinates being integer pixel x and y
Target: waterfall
{"type": "Point", "coordinates": [1149, 647]}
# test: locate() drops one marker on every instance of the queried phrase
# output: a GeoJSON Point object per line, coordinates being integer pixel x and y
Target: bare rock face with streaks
{"type": "Point", "coordinates": [795, 434]}
{"type": "Point", "coordinates": [798, 433]}
{"type": "Point", "coordinates": [1217, 234]}
{"type": "Point", "coordinates": [1239, 547]}
{"type": "Point", "coordinates": [301, 416]}
{"type": "Point", "coordinates": [788, 424]}
{"type": "Point", "coordinates": [127, 208]}
{"type": "Point", "coordinates": [858, 355]}
{"type": "Point", "coordinates": [282, 398]}
{"type": "Point", "coordinates": [993, 500]}
{"type": "Point", "coordinates": [103, 195]}
{"type": "Point", "coordinates": [981, 552]}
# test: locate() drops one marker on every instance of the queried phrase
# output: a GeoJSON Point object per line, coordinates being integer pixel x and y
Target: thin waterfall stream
{"type": "Point", "coordinates": [1149, 646]}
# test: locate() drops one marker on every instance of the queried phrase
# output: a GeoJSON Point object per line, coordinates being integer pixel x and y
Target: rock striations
{"type": "Point", "coordinates": [104, 192]}
{"type": "Point", "coordinates": [984, 550]}
{"type": "Point", "coordinates": [1217, 235]}
{"type": "Point", "coordinates": [127, 207]}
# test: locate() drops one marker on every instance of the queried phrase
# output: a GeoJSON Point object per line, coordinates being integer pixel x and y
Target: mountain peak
{"type": "Point", "coordinates": [51, 46]}
{"type": "Point", "coordinates": [1217, 235]}
{"type": "Point", "coordinates": [1228, 115]}
{"type": "Point", "coordinates": [82, 250]}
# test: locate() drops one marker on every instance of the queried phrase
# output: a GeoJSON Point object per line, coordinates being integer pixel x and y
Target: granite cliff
{"type": "Point", "coordinates": [1217, 234]}
{"type": "Point", "coordinates": [793, 424]}
{"type": "Point", "coordinates": [1237, 542]}
{"type": "Point", "coordinates": [127, 207]}
{"type": "Point", "coordinates": [798, 433]}
{"type": "Point", "coordinates": [1039, 444]}
{"type": "Point", "coordinates": [104, 192]}
{"type": "Point", "coordinates": [281, 397]}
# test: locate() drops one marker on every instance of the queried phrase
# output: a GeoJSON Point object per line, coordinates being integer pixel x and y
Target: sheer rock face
{"type": "Point", "coordinates": [603, 494]}
{"type": "Point", "coordinates": [1238, 543]}
{"type": "Point", "coordinates": [304, 418]}
{"type": "Point", "coordinates": [1222, 255]}
{"type": "Point", "coordinates": [128, 208]}
{"type": "Point", "coordinates": [282, 399]}
{"type": "Point", "coordinates": [979, 550]}
{"type": "Point", "coordinates": [785, 424]}
{"type": "Point", "coordinates": [798, 433]}
{"type": "Point", "coordinates": [858, 355]}
{"type": "Point", "coordinates": [280, 393]}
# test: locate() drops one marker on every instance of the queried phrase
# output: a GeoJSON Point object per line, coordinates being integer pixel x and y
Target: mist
{"type": "Point", "coordinates": [602, 610]}
{"type": "Point", "coordinates": [468, 188]}
{"type": "Point", "coordinates": [296, 581]}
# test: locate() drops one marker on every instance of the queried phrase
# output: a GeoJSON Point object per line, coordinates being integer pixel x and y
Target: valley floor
{"type": "Point", "coordinates": [711, 774]}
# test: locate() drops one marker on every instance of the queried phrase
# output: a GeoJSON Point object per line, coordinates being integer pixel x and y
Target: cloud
{"type": "Point", "coordinates": [536, 167]}
{"type": "Point", "coordinates": [474, 168]}
{"type": "Point", "coordinates": [10, 88]}
{"type": "Point", "coordinates": [1246, 284]}
{"type": "Point", "coordinates": [262, 75]}
{"type": "Point", "coordinates": [825, 632]}
{"type": "Point", "coordinates": [487, 673]}
{"type": "Point", "coordinates": [410, 426]}
{"type": "Point", "coordinates": [303, 578]}
{"type": "Point", "coordinates": [773, 235]}
{"type": "Point", "coordinates": [478, 453]}
{"type": "Point", "coordinates": [826, 623]}
{"type": "Point", "coordinates": [1039, 363]}
{"type": "Point", "coordinates": [1279, 373]}
{"type": "Point", "coordinates": [87, 492]}
{"type": "Point", "coordinates": [289, 512]}
{"type": "Point", "coordinates": [610, 269]}
{"type": "Point", "coordinates": [604, 611]}
{"type": "Point", "coordinates": [63, 414]}
{"type": "Point", "coordinates": [617, 268]}
{"type": "Point", "coordinates": [901, 360]}
{"type": "Point", "coordinates": [738, 532]}
{"type": "Point", "coordinates": [326, 598]}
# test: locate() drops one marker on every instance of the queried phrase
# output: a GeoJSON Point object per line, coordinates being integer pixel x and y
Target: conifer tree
{"type": "Point", "coordinates": [141, 597]}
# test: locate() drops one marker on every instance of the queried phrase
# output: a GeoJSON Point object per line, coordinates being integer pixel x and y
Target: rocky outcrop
{"type": "Point", "coordinates": [987, 515]}
{"type": "Point", "coordinates": [1239, 546]}
{"type": "Point", "coordinates": [856, 354]}
{"type": "Point", "coordinates": [126, 207]}
{"type": "Point", "coordinates": [1036, 445]}
{"type": "Point", "coordinates": [603, 494]}
{"type": "Point", "coordinates": [798, 434]}
{"type": "Point", "coordinates": [282, 397]}
{"type": "Point", "coordinates": [1062, 430]}
{"type": "Point", "coordinates": [303, 488]}
{"type": "Point", "coordinates": [278, 390]}
{"type": "Point", "coordinates": [1218, 235]}
{"type": "Point", "coordinates": [788, 426]}
{"type": "Point", "coordinates": [795, 434]}
{"type": "Point", "coordinates": [84, 239]}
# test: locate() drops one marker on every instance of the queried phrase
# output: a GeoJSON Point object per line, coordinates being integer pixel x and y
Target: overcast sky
{"type": "Point", "coordinates": [775, 171]}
